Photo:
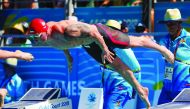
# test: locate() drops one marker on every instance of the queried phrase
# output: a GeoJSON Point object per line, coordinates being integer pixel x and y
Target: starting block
{"type": "Point", "coordinates": [41, 98]}
{"type": "Point", "coordinates": [181, 101]}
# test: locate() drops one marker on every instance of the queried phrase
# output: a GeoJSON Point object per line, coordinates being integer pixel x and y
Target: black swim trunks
{"type": "Point", "coordinates": [113, 39]}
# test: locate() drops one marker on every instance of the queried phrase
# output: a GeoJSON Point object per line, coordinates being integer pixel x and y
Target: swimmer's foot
{"type": "Point", "coordinates": [3, 93]}
{"type": "Point", "coordinates": [144, 96]}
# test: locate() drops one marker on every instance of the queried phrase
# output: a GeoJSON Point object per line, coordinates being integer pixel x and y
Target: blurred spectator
{"type": "Point", "coordinates": [26, 4]}
{"type": "Point", "coordinates": [19, 29]}
{"type": "Point", "coordinates": [35, 4]}
{"type": "Point", "coordinates": [46, 3]}
{"type": "Point", "coordinates": [8, 4]}
{"type": "Point", "coordinates": [134, 2]}
{"type": "Point", "coordinates": [105, 3]}
{"type": "Point", "coordinates": [93, 3]}
{"type": "Point", "coordinates": [167, 1]}
{"type": "Point", "coordinates": [11, 81]}
{"type": "Point", "coordinates": [124, 27]}
{"type": "Point", "coordinates": [121, 2]}
{"type": "Point", "coordinates": [59, 3]}
{"type": "Point", "coordinates": [88, 3]}
{"type": "Point", "coordinates": [152, 19]}
{"type": "Point", "coordinates": [140, 28]}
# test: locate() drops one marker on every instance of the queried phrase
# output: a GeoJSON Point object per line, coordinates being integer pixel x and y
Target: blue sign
{"type": "Point", "coordinates": [8, 17]}
{"type": "Point", "coordinates": [132, 15]}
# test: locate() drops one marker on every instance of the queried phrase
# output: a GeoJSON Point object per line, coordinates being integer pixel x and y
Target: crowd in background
{"type": "Point", "coordinates": [17, 4]}
{"type": "Point", "coordinates": [35, 4]}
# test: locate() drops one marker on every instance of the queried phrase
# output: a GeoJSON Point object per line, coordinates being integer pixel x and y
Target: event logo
{"type": "Point", "coordinates": [91, 100]}
{"type": "Point", "coordinates": [92, 97]}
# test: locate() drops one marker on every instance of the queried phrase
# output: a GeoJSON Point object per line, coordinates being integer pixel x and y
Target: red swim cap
{"type": "Point", "coordinates": [38, 25]}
